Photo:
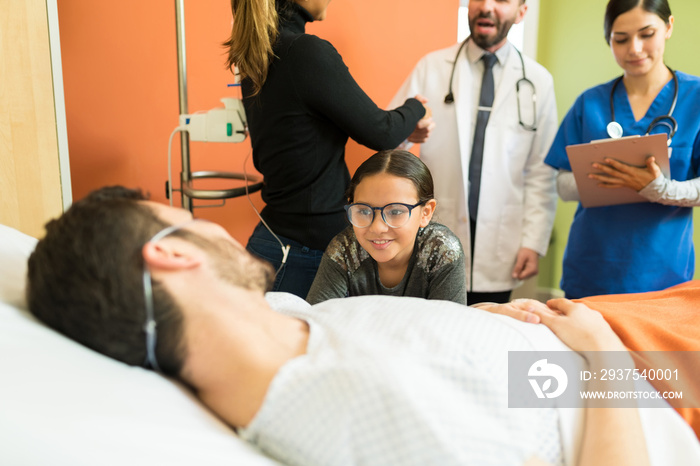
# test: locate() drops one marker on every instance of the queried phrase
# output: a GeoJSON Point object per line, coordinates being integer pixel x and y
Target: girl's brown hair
{"type": "Point", "coordinates": [400, 163]}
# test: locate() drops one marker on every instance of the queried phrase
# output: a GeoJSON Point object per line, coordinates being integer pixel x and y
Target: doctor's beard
{"type": "Point", "coordinates": [487, 41]}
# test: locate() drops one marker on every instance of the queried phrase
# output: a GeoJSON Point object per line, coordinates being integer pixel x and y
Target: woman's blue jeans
{"type": "Point", "coordinates": [298, 272]}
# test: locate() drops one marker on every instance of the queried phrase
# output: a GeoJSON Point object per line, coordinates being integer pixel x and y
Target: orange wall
{"type": "Point", "coordinates": [120, 78]}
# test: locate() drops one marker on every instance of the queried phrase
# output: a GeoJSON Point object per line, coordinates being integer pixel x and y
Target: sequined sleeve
{"type": "Point", "coordinates": [440, 256]}
{"type": "Point", "coordinates": [340, 260]}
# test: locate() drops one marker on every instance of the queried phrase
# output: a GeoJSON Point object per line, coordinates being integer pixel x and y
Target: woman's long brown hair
{"type": "Point", "coordinates": [254, 32]}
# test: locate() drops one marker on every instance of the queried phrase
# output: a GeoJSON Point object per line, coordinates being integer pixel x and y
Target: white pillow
{"type": "Point", "coordinates": [62, 403]}
{"type": "Point", "coordinates": [15, 248]}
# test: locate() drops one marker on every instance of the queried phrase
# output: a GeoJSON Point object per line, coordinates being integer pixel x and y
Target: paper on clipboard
{"type": "Point", "coordinates": [632, 150]}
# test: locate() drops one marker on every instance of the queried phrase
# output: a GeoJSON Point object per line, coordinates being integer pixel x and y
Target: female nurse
{"type": "Point", "coordinates": [302, 104]}
{"type": "Point", "coordinates": [634, 247]}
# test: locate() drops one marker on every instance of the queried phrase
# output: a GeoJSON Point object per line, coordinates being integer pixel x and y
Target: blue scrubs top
{"type": "Point", "coordinates": [630, 248]}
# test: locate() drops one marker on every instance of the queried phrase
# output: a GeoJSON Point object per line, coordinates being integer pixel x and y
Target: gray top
{"type": "Point", "coordinates": [436, 269]}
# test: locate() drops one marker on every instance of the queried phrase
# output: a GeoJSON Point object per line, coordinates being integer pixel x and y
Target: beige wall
{"type": "Point", "coordinates": [30, 185]}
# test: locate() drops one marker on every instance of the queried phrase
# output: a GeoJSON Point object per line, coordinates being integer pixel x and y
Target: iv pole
{"type": "Point", "coordinates": [182, 88]}
{"type": "Point", "coordinates": [188, 192]}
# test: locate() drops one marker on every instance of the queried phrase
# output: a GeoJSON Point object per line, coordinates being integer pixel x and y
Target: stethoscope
{"type": "Point", "coordinates": [450, 98]}
{"type": "Point", "coordinates": [615, 129]}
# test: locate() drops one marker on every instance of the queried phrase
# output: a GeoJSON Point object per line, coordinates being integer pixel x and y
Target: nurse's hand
{"type": "Point", "coordinates": [621, 175]}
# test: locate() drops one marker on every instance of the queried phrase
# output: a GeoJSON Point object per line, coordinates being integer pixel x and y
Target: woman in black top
{"type": "Point", "coordinates": [302, 104]}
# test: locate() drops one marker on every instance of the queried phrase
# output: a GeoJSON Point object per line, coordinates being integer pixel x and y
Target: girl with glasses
{"type": "Point", "coordinates": [392, 247]}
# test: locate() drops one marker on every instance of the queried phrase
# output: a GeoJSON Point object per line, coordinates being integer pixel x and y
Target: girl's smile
{"type": "Point", "coordinates": [381, 244]}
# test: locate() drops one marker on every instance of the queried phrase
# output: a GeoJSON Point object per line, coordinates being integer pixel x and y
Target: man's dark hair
{"type": "Point", "coordinates": [85, 279]}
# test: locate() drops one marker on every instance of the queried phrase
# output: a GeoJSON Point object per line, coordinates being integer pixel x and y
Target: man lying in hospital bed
{"type": "Point", "coordinates": [369, 380]}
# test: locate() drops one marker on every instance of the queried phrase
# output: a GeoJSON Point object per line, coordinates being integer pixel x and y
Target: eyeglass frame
{"type": "Point", "coordinates": [381, 210]}
{"type": "Point", "coordinates": [150, 326]}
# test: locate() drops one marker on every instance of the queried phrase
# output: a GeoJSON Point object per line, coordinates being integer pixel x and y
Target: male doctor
{"type": "Point", "coordinates": [492, 139]}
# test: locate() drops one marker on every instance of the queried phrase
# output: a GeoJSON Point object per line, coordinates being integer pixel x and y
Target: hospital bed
{"type": "Point", "coordinates": [63, 404]}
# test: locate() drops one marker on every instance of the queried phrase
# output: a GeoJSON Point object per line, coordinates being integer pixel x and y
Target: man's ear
{"type": "Point", "coordinates": [171, 254]}
{"type": "Point", "coordinates": [522, 9]}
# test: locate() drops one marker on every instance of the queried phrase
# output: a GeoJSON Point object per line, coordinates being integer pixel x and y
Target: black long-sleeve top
{"type": "Point", "coordinates": [299, 124]}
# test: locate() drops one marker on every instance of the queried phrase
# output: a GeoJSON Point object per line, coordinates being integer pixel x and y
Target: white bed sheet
{"type": "Point", "coordinates": [63, 404]}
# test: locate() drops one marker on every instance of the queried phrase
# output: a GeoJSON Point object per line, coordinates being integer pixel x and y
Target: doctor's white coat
{"type": "Point", "coordinates": [517, 201]}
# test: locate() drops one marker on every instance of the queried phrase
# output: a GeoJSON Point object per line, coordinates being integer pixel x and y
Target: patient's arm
{"type": "Point", "coordinates": [611, 435]}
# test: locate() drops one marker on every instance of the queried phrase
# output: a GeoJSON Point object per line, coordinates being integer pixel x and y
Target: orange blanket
{"type": "Point", "coordinates": [663, 321]}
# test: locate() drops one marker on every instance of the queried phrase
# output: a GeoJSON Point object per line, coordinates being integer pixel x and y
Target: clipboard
{"type": "Point", "coordinates": [632, 150]}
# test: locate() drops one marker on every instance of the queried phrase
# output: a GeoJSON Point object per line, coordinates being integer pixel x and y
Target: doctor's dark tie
{"type": "Point", "coordinates": [482, 118]}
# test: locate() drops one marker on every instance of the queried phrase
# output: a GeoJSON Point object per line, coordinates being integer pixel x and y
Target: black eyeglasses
{"type": "Point", "coordinates": [395, 215]}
